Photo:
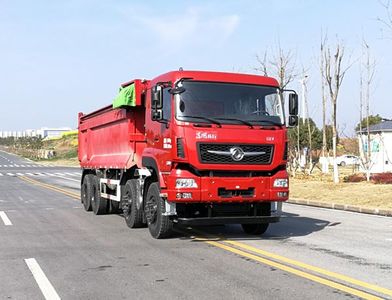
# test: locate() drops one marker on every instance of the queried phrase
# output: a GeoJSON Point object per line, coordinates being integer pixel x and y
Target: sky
{"type": "Point", "coordinates": [58, 58]}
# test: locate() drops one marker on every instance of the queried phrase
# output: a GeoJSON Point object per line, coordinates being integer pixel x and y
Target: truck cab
{"type": "Point", "coordinates": [218, 143]}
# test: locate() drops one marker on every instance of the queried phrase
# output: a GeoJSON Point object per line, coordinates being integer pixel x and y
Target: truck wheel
{"type": "Point", "coordinates": [255, 228]}
{"type": "Point", "coordinates": [114, 207]}
{"type": "Point", "coordinates": [85, 192]}
{"type": "Point", "coordinates": [98, 203]}
{"type": "Point", "coordinates": [133, 216]}
{"type": "Point", "coordinates": [160, 226]}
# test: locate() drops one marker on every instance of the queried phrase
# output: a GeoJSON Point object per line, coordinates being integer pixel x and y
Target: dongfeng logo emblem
{"type": "Point", "coordinates": [237, 153]}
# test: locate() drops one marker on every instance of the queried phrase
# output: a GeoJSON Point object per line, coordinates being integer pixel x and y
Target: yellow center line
{"type": "Point", "coordinates": [205, 237]}
{"type": "Point", "coordinates": [311, 268]}
{"type": "Point", "coordinates": [291, 270]}
{"type": "Point", "coordinates": [266, 261]}
{"type": "Point", "coordinates": [51, 187]}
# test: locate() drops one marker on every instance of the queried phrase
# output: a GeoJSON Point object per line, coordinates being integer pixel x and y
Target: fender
{"type": "Point", "coordinates": [150, 162]}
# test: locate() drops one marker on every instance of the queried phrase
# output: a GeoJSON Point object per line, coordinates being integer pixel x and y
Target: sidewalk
{"type": "Point", "coordinates": [352, 208]}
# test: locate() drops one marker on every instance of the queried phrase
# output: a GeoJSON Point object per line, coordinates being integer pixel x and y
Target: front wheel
{"type": "Point", "coordinates": [160, 226]}
{"type": "Point", "coordinates": [255, 229]}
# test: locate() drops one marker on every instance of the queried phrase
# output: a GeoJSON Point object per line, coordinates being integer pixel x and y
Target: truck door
{"type": "Point", "coordinates": [167, 141]}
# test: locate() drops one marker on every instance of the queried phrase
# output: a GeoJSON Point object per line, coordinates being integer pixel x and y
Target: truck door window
{"type": "Point", "coordinates": [166, 109]}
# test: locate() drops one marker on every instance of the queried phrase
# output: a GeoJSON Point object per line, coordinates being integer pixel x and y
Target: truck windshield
{"type": "Point", "coordinates": [229, 103]}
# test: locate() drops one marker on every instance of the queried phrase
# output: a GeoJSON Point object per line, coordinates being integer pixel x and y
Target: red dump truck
{"type": "Point", "coordinates": [189, 147]}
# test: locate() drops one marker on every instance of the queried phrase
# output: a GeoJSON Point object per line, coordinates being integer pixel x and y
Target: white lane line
{"type": "Point", "coordinates": [20, 198]}
{"type": "Point", "coordinates": [44, 284]}
{"type": "Point", "coordinates": [31, 174]}
{"type": "Point", "coordinates": [67, 178]}
{"type": "Point", "coordinates": [22, 165]}
{"type": "Point", "coordinates": [19, 174]}
{"type": "Point", "coordinates": [74, 174]}
{"type": "Point", "coordinates": [16, 165]}
{"type": "Point", "coordinates": [5, 219]}
{"type": "Point", "coordinates": [1, 174]}
{"type": "Point", "coordinates": [10, 174]}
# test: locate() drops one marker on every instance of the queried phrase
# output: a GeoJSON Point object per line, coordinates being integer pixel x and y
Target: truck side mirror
{"type": "Point", "coordinates": [293, 121]}
{"type": "Point", "coordinates": [156, 97]}
{"type": "Point", "coordinates": [293, 104]}
{"type": "Point", "coordinates": [156, 114]}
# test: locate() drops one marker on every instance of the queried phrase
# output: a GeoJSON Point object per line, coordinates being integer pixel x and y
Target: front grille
{"type": "Point", "coordinates": [207, 157]}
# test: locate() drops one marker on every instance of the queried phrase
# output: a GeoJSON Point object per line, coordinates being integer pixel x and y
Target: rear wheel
{"type": "Point", "coordinates": [99, 204]}
{"type": "Point", "coordinates": [343, 163]}
{"type": "Point", "coordinates": [160, 226]}
{"type": "Point", "coordinates": [86, 192]}
{"type": "Point", "coordinates": [255, 228]}
{"type": "Point", "coordinates": [133, 216]}
{"type": "Point", "coordinates": [114, 207]}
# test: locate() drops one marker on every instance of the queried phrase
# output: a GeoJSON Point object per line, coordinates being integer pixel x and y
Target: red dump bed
{"type": "Point", "coordinates": [111, 138]}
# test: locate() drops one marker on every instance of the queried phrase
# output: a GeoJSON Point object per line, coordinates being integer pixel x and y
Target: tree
{"type": "Point", "coordinates": [373, 120]}
{"type": "Point", "coordinates": [303, 126]}
{"type": "Point", "coordinates": [324, 103]}
{"type": "Point", "coordinates": [334, 75]}
{"type": "Point", "coordinates": [280, 65]}
{"type": "Point", "coordinates": [328, 132]}
{"type": "Point", "coordinates": [386, 21]}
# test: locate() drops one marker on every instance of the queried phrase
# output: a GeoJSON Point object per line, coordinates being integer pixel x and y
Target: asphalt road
{"type": "Point", "coordinates": [51, 248]}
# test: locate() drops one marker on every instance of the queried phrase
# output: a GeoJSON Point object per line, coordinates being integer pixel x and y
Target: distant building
{"type": "Point", "coordinates": [380, 146]}
{"type": "Point", "coordinates": [43, 132]}
{"type": "Point", "coordinates": [53, 132]}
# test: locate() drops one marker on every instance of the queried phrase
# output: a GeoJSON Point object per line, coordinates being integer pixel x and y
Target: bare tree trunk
{"type": "Point", "coordinates": [306, 114]}
{"type": "Point", "coordinates": [370, 70]}
{"type": "Point", "coordinates": [333, 64]}
{"type": "Point", "coordinates": [334, 146]}
{"type": "Point", "coordinates": [324, 101]}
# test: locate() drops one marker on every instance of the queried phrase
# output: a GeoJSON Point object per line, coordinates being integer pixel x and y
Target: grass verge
{"type": "Point", "coordinates": [363, 194]}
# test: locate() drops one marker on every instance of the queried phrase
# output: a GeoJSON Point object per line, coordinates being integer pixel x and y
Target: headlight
{"type": "Point", "coordinates": [182, 183]}
{"type": "Point", "coordinates": [281, 183]}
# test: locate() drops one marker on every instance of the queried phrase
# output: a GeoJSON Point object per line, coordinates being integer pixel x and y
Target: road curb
{"type": "Point", "coordinates": [345, 207]}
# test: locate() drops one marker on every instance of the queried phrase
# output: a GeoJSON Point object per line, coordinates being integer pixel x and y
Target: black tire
{"type": "Point", "coordinates": [343, 164]}
{"type": "Point", "coordinates": [255, 229]}
{"type": "Point", "coordinates": [114, 207]}
{"type": "Point", "coordinates": [99, 204]}
{"type": "Point", "coordinates": [159, 226]}
{"type": "Point", "coordinates": [133, 216]}
{"type": "Point", "coordinates": [86, 192]}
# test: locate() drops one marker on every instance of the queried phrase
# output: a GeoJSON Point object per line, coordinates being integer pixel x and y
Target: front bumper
{"type": "Point", "coordinates": [228, 220]}
{"type": "Point", "coordinates": [226, 189]}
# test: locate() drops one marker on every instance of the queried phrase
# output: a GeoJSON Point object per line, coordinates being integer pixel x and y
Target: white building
{"type": "Point", "coordinates": [52, 132]}
{"type": "Point", "coordinates": [43, 132]}
{"type": "Point", "coordinates": [380, 146]}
